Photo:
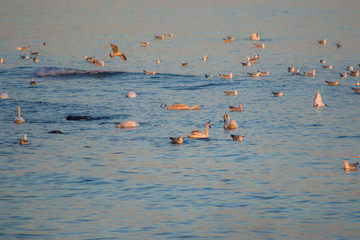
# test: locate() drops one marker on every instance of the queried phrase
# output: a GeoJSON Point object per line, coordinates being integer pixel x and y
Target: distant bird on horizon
{"type": "Point", "coordinates": [116, 52]}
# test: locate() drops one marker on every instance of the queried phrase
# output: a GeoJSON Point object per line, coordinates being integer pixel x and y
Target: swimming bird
{"type": "Point", "coordinates": [259, 45]}
{"type": "Point", "coordinates": [45, 43]}
{"type": "Point", "coordinates": [229, 124]}
{"type": "Point", "coordinates": [227, 40]}
{"type": "Point", "coordinates": [182, 106]}
{"type": "Point", "coordinates": [310, 74]}
{"type": "Point", "coordinates": [357, 90]}
{"type": "Point", "coordinates": [322, 41]}
{"type": "Point", "coordinates": [56, 132]}
{"type": "Point", "coordinates": [235, 92]}
{"type": "Point", "coordinates": [24, 141]}
{"type": "Point", "coordinates": [357, 83]}
{"type": "Point", "coordinates": [25, 57]}
{"type": "Point", "coordinates": [4, 96]}
{"type": "Point", "coordinates": [200, 134]}
{"type": "Point", "coordinates": [1, 60]}
{"type": "Point", "coordinates": [255, 58]}
{"type": "Point", "coordinates": [158, 61]}
{"type": "Point", "coordinates": [205, 58]}
{"type": "Point", "coordinates": [184, 64]}
{"type": "Point", "coordinates": [291, 69]}
{"type": "Point", "coordinates": [350, 68]}
{"type": "Point", "coordinates": [162, 37]}
{"type": "Point", "coordinates": [99, 63]}
{"type": "Point", "coordinates": [264, 73]}
{"type": "Point", "coordinates": [354, 73]}
{"type": "Point", "coordinates": [19, 119]}
{"type": "Point", "coordinates": [237, 137]}
{"type": "Point", "coordinates": [35, 59]}
{"type": "Point", "coordinates": [144, 44]}
{"type": "Point", "coordinates": [208, 75]}
{"type": "Point", "coordinates": [32, 83]}
{"type": "Point", "coordinates": [23, 48]}
{"type": "Point", "coordinates": [339, 45]}
{"type": "Point", "coordinates": [149, 73]}
{"type": "Point", "coordinates": [254, 74]}
{"type": "Point", "coordinates": [322, 61]}
{"type": "Point", "coordinates": [34, 53]}
{"type": "Point", "coordinates": [332, 83]}
{"type": "Point", "coordinates": [236, 109]}
{"type": "Point", "coordinates": [169, 35]}
{"type": "Point", "coordinates": [89, 59]}
{"type": "Point", "coordinates": [343, 75]}
{"type": "Point", "coordinates": [277, 94]}
{"type": "Point", "coordinates": [248, 63]}
{"type": "Point", "coordinates": [128, 124]}
{"type": "Point", "coordinates": [328, 67]}
{"type": "Point", "coordinates": [296, 73]}
{"type": "Point", "coordinates": [350, 166]}
{"type": "Point", "coordinates": [116, 52]}
{"type": "Point", "coordinates": [131, 94]}
{"type": "Point", "coordinates": [318, 101]}
{"type": "Point", "coordinates": [178, 140]}
{"type": "Point", "coordinates": [223, 76]}
{"type": "Point", "coordinates": [254, 37]}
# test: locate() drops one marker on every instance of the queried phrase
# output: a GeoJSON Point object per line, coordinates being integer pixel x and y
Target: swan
{"type": "Point", "coordinates": [201, 134]}
{"type": "Point", "coordinates": [237, 137]}
{"type": "Point", "coordinates": [236, 109]}
{"type": "Point", "coordinates": [117, 53]}
{"type": "Point", "coordinates": [131, 94]}
{"type": "Point", "coordinates": [182, 106]}
{"type": "Point", "coordinates": [128, 124]}
{"type": "Point", "coordinates": [19, 119]}
{"type": "Point", "coordinates": [177, 140]}
{"type": "Point", "coordinates": [229, 124]}
{"type": "Point", "coordinates": [24, 141]}
{"type": "Point", "coordinates": [351, 166]}
{"type": "Point", "coordinates": [318, 101]}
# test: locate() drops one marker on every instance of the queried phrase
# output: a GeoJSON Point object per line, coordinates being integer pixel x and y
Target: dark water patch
{"type": "Point", "coordinates": [68, 72]}
{"type": "Point", "coordinates": [354, 136]}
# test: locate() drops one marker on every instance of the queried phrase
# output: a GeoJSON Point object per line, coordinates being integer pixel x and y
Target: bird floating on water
{"type": "Point", "coordinates": [328, 67]}
{"type": "Point", "coordinates": [254, 74]}
{"type": "Point", "coordinates": [264, 73]}
{"type": "Point", "coordinates": [182, 106]}
{"type": "Point", "coordinates": [254, 37]}
{"type": "Point", "coordinates": [354, 73]}
{"type": "Point", "coordinates": [4, 96]}
{"type": "Point", "coordinates": [184, 64]}
{"type": "Point", "coordinates": [131, 94]}
{"type": "Point", "coordinates": [208, 75]}
{"type": "Point", "coordinates": [318, 101]}
{"type": "Point", "coordinates": [357, 90]}
{"type": "Point", "coordinates": [117, 53]}
{"type": "Point", "coordinates": [323, 61]}
{"type": "Point", "coordinates": [235, 92]}
{"type": "Point", "coordinates": [205, 58]}
{"type": "Point", "coordinates": [45, 43]}
{"type": "Point", "coordinates": [226, 76]}
{"type": "Point", "coordinates": [350, 166]}
{"type": "Point", "coordinates": [144, 44]}
{"type": "Point", "coordinates": [158, 61]}
{"type": "Point", "coordinates": [277, 94]}
{"type": "Point", "coordinates": [339, 45]}
{"type": "Point", "coordinates": [178, 140]}
{"type": "Point", "coordinates": [323, 41]}
{"type": "Point", "coordinates": [1, 60]}
{"type": "Point", "coordinates": [237, 137]}
{"type": "Point", "coordinates": [259, 45]}
{"type": "Point", "coordinates": [35, 59]}
{"type": "Point", "coordinates": [149, 73]}
{"type": "Point", "coordinates": [343, 75]}
{"type": "Point", "coordinates": [19, 119]}
{"type": "Point", "coordinates": [236, 109]}
{"type": "Point", "coordinates": [229, 124]}
{"type": "Point", "coordinates": [32, 83]}
{"type": "Point", "coordinates": [24, 141]}
{"type": "Point", "coordinates": [25, 57]}
{"type": "Point", "coordinates": [162, 37]}
{"type": "Point", "coordinates": [169, 35]}
{"type": "Point", "coordinates": [128, 124]}
{"type": "Point", "coordinates": [199, 133]}
{"type": "Point", "coordinates": [332, 83]}
{"type": "Point", "coordinates": [291, 69]}
{"type": "Point", "coordinates": [23, 48]}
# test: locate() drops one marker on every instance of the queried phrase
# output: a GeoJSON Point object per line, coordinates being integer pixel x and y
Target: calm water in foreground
{"type": "Point", "coordinates": [285, 180]}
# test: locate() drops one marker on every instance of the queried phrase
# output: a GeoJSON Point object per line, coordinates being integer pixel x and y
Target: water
{"type": "Point", "coordinates": [283, 181]}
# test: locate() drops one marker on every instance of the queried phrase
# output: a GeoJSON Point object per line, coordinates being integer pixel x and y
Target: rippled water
{"type": "Point", "coordinates": [283, 181]}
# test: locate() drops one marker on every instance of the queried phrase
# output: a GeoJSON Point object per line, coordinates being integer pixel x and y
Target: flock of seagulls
{"type": "Point", "coordinates": [228, 123]}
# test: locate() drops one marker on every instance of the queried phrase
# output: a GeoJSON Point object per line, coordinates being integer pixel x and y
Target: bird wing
{"type": "Point", "coordinates": [114, 48]}
{"type": "Point", "coordinates": [123, 56]}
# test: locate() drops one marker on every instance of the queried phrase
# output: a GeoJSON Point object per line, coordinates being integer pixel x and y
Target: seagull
{"type": "Point", "coordinates": [35, 59]}
{"type": "Point", "coordinates": [264, 73]}
{"type": "Point", "coordinates": [277, 94]}
{"type": "Point", "coordinates": [354, 73]}
{"type": "Point", "coordinates": [322, 61]}
{"type": "Point", "coordinates": [208, 76]}
{"type": "Point", "coordinates": [145, 44]}
{"type": "Point", "coordinates": [158, 61]}
{"type": "Point", "coordinates": [184, 64]}
{"type": "Point", "coordinates": [32, 83]}
{"type": "Point", "coordinates": [169, 35]}
{"type": "Point", "coordinates": [205, 58]}
{"type": "Point", "coordinates": [116, 52]}
{"type": "Point", "coordinates": [131, 94]}
{"type": "Point", "coordinates": [237, 137]}
{"type": "Point", "coordinates": [318, 101]}
{"type": "Point", "coordinates": [227, 40]}
{"type": "Point", "coordinates": [291, 69]}
{"type": "Point", "coordinates": [350, 166]}
{"type": "Point", "coordinates": [248, 63]}
{"type": "Point", "coordinates": [4, 96]}
{"type": "Point", "coordinates": [24, 141]}
{"type": "Point", "coordinates": [254, 74]}
{"type": "Point", "coordinates": [357, 90]}
{"type": "Point", "coordinates": [149, 73]}
{"type": "Point", "coordinates": [226, 76]}
{"type": "Point", "coordinates": [235, 92]}
{"type": "Point", "coordinates": [178, 140]}
{"type": "Point", "coordinates": [259, 45]}
{"type": "Point", "coordinates": [23, 48]}
{"type": "Point", "coordinates": [332, 83]}
{"type": "Point", "coordinates": [1, 60]}
{"type": "Point", "coordinates": [254, 37]}
{"type": "Point", "coordinates": [357, 83]}
{"type": "Point", "coordinates": [34, 53]}
{"type": "Point", "coordinates": [350, 68]}
{"type": "Point", "coordinates": [322, 41]}
{"type": "Point", "coordinates": [25, 57]}
{"type": "Point", "coordinates": [338, 45]}
{"type": "Point", "coordinates": [328, 67]}
{"type": "Point", "coordinates": [45, 43]}
{"type": "Point", "coordinates": [160, 37]}
{"type": "Point", "coordinates": [236, 109]}
{"type": "Point", "coordinates": [343, 75]}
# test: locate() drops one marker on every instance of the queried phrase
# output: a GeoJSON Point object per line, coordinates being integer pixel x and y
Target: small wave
{"type": "Point", "coordinates": [53, 72]}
